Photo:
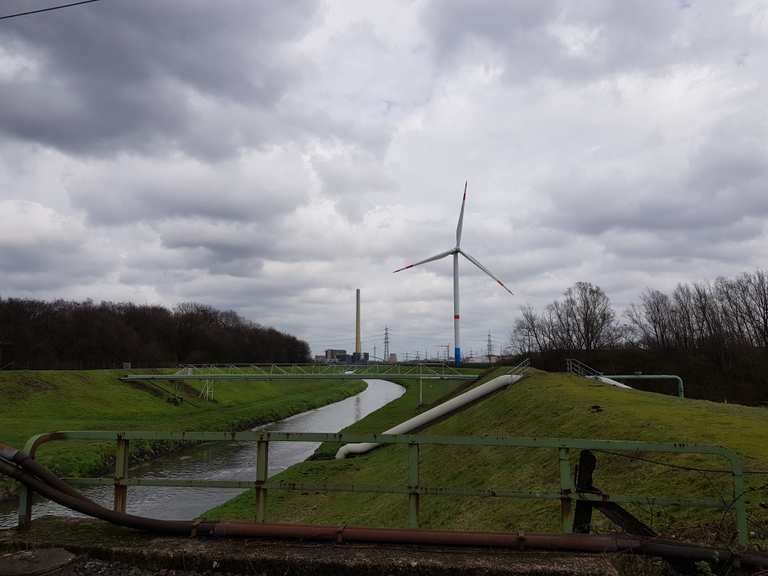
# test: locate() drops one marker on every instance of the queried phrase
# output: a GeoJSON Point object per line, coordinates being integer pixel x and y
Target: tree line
{"type": "Point", "coordinates": [85, 335]}
{"type": "Point", "coordinates": [713, 333]}
{"type": "Point", "coordinates": [731, 313]}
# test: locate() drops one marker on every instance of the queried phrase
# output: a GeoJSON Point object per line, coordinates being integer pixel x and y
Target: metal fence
{"type": "Point", "coordinates": [414, 489]}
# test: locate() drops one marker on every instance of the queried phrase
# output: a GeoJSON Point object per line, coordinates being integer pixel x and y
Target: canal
{"type": "Point", "coordinates": [224, 461]}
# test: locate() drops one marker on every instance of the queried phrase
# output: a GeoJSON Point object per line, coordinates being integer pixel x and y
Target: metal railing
{"type": "Point", "coordinates": [415, 489]}
{"type": "Point", "coordinates": [577, 367]}
{"type": "Point", "coordinates": [519, 369]}
{"type": "Point", "coordinates": [216, 372]}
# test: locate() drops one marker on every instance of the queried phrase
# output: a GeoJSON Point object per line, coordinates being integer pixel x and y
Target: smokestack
{"type": "Point", "coordinates": [357, 325]}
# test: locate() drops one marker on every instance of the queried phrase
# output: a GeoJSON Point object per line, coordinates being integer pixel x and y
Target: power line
{"type": "Point", "coordinates": [59, 7]}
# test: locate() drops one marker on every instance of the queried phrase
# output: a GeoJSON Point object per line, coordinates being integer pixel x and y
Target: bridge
{"type": "Point", "coordinates": [224, 372]}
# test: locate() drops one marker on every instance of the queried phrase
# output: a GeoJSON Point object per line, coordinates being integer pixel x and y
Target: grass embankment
{"type": "Point", "coordinates": [44, 401]}
{"type": "Point", "coordinates": [433, 393]}
{"type": "Point", "coordinates": [543, 405]}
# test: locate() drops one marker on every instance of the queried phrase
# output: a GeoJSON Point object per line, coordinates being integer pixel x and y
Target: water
{"type": "Point", "coordinates": [224, 461]}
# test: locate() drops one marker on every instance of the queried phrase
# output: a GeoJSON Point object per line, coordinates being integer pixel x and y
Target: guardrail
{"type": "Point", "coordinates": [568, 494]}
{"type": "Point", "coordinates": [578, 367]}
{"type": "Point", "coordinates": [519, 369]}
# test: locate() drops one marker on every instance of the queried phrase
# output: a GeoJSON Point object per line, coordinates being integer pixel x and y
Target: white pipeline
{"type": "Point", "coordinates": [433, 413]}
{"type": "Point", "coordinates": [612, 382]}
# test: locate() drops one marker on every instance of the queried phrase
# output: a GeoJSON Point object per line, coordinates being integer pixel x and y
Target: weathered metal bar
{"type": "Point", "coordinates": [567, 490]}
{"type": "Point", "coordinates": [283, 375]}
{"type": "Point", "coordinates": [262, 468]}
{"type": "Point", "coordinates": [163, 482]}
{"type": "Point", "coordinates": [511, 441]}
{"type": "Point", "coordinates": [406, 490]}
{"type": "Point", "coordinates": [413, 485]}
{"type": "Point", "coordinates": [739, 499]}
{"type": "Point", "coordinates": [568, 494]}
{"type": "Point", "coordinates": [120, 499]}
{"type": "Point", "coordinates": [25, 507]}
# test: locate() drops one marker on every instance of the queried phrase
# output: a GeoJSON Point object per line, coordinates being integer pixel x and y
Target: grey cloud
{"type": "Point", "coordinates": [712, 195]}
{"type": "Point", "coordinates": [127, 75]}
{"type": "Point", "coordinates": [587, 39]}
{"type": "Point", "coordinates": [255, 187]}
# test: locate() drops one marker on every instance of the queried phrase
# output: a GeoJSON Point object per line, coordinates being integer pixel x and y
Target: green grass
{"type": "Point", "coordinates": [543, 405]}
{"type": "Point", "coordinates": [43, 401]}
{"type": "Point", "coordinates": [433, 392]}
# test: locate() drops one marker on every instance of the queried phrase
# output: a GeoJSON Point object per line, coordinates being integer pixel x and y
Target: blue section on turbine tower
{"type": "Point", "coordinates": [457, 356]}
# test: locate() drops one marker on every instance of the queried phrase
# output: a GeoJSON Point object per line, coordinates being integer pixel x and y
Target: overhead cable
{"type": "Point", "coordinates": [49, 9]}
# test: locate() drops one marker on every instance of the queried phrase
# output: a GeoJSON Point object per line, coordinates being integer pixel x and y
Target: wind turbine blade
{"type": "Point", "coordinates": [484, 269]}
{"type": "Point", "coordinates": [460, 226]}
{"type": "Point", "coordinates": [430, 259]}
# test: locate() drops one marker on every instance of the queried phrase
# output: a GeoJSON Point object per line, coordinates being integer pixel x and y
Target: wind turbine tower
{"type": "Point", "coordinates": [455, 251]}
{"type": "Point", "coordinates": [358, 347]}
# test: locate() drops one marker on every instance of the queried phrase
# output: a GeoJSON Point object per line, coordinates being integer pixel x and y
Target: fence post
{"type": "Point", "coordinates": [421, 389]}
{"type": "Point", "coordinates": [567, 491]}
{"type": "Point", "coordinates": [739, 499]}
{"type": "Point", "coordinates": [413, 485]}
{"type": "Point", "coordinates": [262, 467]}
{"type": "Point", "coordinates": [120, 499]}
{"type": "Point", "coordinates": [25, 507]}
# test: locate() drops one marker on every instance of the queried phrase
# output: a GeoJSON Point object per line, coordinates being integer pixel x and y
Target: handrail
{"type": "Point", "coordinates": [580, 368]}
{"type": "Point", "coordinates": [520, 368]}
{"type": "Point", "coordinates": [568, 494]}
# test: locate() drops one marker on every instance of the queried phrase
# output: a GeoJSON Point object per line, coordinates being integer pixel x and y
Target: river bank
{"type": "Point", "coordinates": [227, 460]}
{"type": "Point", "coordinates": [42, 401]}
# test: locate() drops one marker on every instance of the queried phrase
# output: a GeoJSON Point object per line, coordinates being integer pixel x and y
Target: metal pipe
{"type": "Point", "coordinates": [433, 413]}
{"type": "Point", "coordinates": [342, 534]}
{"type": "Point", "coordinates": [26, 462]}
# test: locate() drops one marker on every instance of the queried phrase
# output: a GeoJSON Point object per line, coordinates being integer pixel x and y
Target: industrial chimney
{"type": "Point", "coordinates": [358, 351]}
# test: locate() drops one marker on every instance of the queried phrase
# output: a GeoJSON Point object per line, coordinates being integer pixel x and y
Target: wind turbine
{"type": "Point", "coordinates": [455, 251]}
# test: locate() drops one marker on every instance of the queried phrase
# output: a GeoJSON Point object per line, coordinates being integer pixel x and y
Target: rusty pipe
{"type": "Point", "coordinates": [89, 508]}
{"type": "Point", "coordinates": [669, 549]}
{"type": "Point", "coordinates": [29, 465]}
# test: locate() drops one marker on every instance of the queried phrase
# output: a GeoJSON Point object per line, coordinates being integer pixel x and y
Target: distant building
{"type": "Point", "coordinates": [359, 358]}
{"type": "Point", "coordinates": [392, 358]}
{"type": "Point", "coordinates": [333, 355]}
{"type": "Point", "coordinates": [319, 358]}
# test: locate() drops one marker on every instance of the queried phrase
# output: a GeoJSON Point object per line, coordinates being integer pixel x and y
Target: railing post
{"type": "Point", "coordinates": [262, 467]}
{"type": "Point", "coordinates": [567, 491]}
{"type": "Point", "coordinates": [25, 507]}
{"type": "Point", "coordinates": [421, 390]}
{"type": "Point", "coordinates": [739, 501]}
{"type": "Point", "coordinates": [120, 499]}
{"type": "Point", "coordinates": [413, 485]}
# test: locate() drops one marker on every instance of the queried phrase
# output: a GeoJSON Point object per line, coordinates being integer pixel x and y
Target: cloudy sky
{"type": "Point", "coordinates": [270, 157]}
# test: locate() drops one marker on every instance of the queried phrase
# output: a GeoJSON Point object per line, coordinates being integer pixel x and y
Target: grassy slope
{"type": "Point", "coordinates": [433, 392]}
{"type": "Point", "coordinates": [42, 401]}
{"type": "Point", "coordinates": [541, 405]}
